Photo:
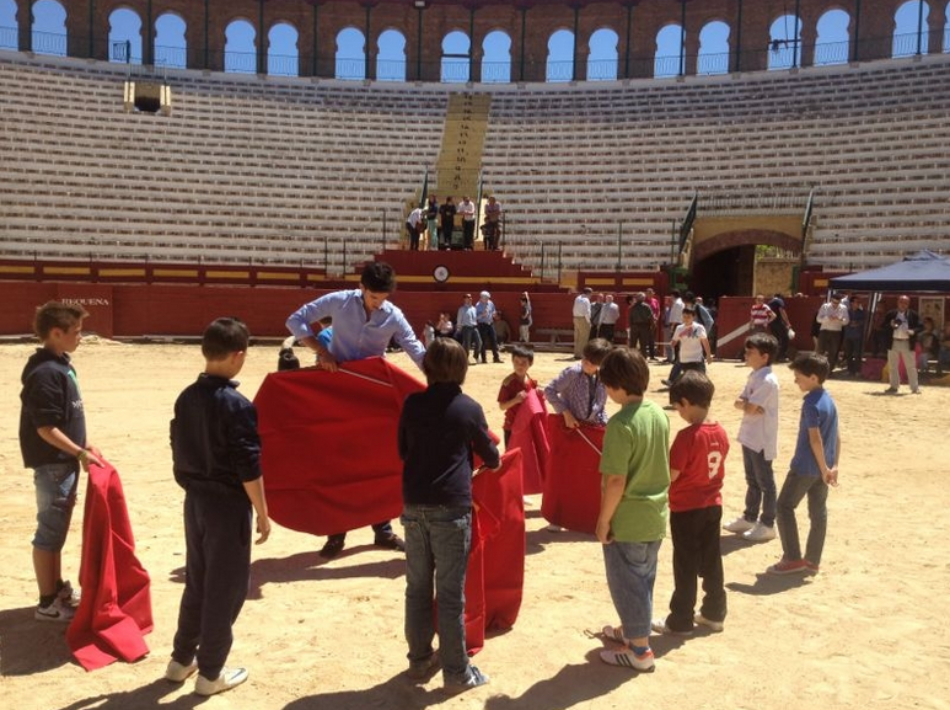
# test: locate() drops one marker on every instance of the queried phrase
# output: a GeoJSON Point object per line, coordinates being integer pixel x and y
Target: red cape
{"type": "Point", "coordinates": [572, 480]}
{"type": "Point", "coordinates": [529, 433]}
{"type": "Point", "coordinates": [495, 576]}
{"type": "Point", "coordinates": [116, 607]}
{"type": "Point", "coordinates": [329, 452]}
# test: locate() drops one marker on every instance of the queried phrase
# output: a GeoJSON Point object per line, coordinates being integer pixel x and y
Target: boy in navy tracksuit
{"type": "Point", "coordinates": [53, 443]}
{"type": "Point", "coordinates": [216, 454]}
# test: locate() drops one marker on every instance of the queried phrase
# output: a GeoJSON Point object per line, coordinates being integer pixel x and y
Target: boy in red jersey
{"type": "Point", "coordinates": [696, 472]}
{"type": "Point", "coordinates": [515, 387]}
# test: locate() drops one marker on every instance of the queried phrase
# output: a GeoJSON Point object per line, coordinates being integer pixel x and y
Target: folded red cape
{"type": "Point", "coordinates": [572, 477]}
{"type": "Point", "coordinates": [495, 576]}
{"type": "Point", "coordinates": [529, 433]}
{"type": "Point", "coordinates": [329, 452]}
{"type": "Point", "coordinates": [116, 607]}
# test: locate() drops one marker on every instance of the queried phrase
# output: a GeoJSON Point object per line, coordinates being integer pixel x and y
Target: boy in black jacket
{"type": "Point", "coordinates": [53, 443]}
{"type": "Point", "coordinates": [438, 431]}
{"type": "Point", "coordinates": [216, 454]}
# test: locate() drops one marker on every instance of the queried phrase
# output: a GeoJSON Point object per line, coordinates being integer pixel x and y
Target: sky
{"type": "Point", "coordinates": [282, 40]}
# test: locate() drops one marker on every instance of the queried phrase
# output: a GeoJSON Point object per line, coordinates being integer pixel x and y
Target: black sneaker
{"type": "Point", "coordinates": [475, 679]}
{"type": "Point", "coordinates": [390, 541]}
{"type": "Point", "coordinates": [333, 547]}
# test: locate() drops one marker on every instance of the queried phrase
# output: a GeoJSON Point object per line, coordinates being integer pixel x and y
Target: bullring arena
{"type": "Point", "coordinates": [779, 166]}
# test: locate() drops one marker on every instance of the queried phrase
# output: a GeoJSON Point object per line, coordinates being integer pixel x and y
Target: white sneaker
{"type": "Point", "coordinates": [739, 525]}
{"type": "Point", "coordinates": [227, 679]}
{"type": "Point", "coordinates": [56, 611]}
{"type": "Point", "coordinates": [760, 533]}
{"type": "Point", "coordinates": [708, 623]}
{"type": "Point", "coordinates": [178, 673]}
{"type": "Point", "coordinates": [554, 528]}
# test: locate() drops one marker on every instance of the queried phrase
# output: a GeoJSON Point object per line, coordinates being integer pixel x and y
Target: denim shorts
{"type": "Point", "coordinates": [56, 485]}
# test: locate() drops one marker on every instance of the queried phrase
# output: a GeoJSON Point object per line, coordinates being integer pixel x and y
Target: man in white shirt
{"type": "Point", "coordinates": [581, 314]}
{"type": "Point", "coordinates": [467, 210]}
{"type": "Point", "coordinates": [676, 320]}
{"type": "Point", "coordinates": [833, 317]}
{"type": "Point", "coordinates": [414, 225]}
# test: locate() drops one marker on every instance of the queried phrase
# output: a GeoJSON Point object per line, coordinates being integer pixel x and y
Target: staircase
{"type": "Point", "coordinates": [463, 140]}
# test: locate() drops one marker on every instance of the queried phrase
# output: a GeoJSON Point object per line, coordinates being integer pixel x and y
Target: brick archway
{"type": "Point", "coordinates": [745, 237]}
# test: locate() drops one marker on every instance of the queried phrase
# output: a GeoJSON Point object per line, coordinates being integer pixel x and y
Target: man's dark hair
{"type": "Point", "coordinates": [626, 370]}
{"type": "Point", "coordinates": [378, 277]}
{"type": "Point", "coordinates": [675, 292]}
{"type": "Point", "coordinates": [596, 350]}
{"type": "Point", "coordinates": [445, 361]}
{"type": "Point", "coordinates": [764, 343]}
{"type": "Point", "coordinates": [694, 387]}
{"type": "Point", "coordinates": [54, 314]}
{"type": "Point", "coordinates": [522, 351]}
{"type": "Point", "coordinates": [811, 364]}
{"type": "Point", "coordinates": [223, 337]}
{"type": "Point", "coordinates": [689, 297]}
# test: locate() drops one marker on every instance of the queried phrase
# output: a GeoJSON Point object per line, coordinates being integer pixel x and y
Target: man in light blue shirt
{"type": "Point", "coordinates": [364, 322]}
{"type": "Point", "coordinates": [465, 323]}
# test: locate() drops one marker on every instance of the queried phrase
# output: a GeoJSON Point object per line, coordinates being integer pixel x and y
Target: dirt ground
{"type": "Point", "coordinates": [871, 631]}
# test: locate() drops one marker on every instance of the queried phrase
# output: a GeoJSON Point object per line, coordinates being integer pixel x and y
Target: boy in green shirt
{"type": "Point", "coordinates": [634, 505]}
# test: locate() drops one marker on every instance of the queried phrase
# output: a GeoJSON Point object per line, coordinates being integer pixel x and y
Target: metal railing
{"type": "Point", "coordinates": [778, 55]}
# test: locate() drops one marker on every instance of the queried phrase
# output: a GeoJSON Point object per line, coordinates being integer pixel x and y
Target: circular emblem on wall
{"type": "Point", "coordinates": [441, 273]}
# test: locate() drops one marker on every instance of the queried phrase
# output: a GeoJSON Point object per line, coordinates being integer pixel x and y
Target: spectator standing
{"type": "Point", "coordinates": [832, 317]}
{"type": "Point", "coordinates": [447, 217]}
{"type": "Point", "coordinates": [902, 325]}
{"type": "Point", "coordinates": [415, 223]}
{"type": "Point", "coordinates": [641, 324]}
{"type": "Point", "coordinates": [485, 319]}
{"type": "Point", "coordinates": [653, 302]}
{"type": "Point", "coordinates": [432, 222]}
{"type": "Point", "coordinates": [760, 316]}
{"type": "Point", "coordinates": [467, 210]}
{"type": "Point", "coordinates": [675, 321]}
{"type": "Point", "coordinates": [854, 336]}
{"type": "Point", "coordinates": [525, 319]}
{"type": "Point", "coordinates": [466, 325]}
{"type": "Point", "coordinates": [492, 223]}
{"type": "Point", "coordinates": [780, 325]}
{"type": "Point", "coordinates": [607, 319]}
{"type": "Point", "coordinates": [581, 313]}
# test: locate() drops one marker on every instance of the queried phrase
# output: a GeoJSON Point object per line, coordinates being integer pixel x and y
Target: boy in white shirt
{"type": "Point", "coordinates": [758, 434]}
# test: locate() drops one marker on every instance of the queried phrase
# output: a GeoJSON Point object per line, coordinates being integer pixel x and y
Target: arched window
{"type": "Point", "coordinates": [240, 54]}
{"type": "Point", "coordinates": [171, 47]}
{"type": "Point", "coordinates": [669, 52]}
{"type": "Point", "coordinates": [560, 65]}
{"type": "Point", "coordinates": [496, 58]}
{"type": "Point", "coordinates": [911, 32]}
{"type": "Point", "coordinates": [713, 49]}
{"type": "Point", "coordinates": [785, 49]}
{"type": "Point", "coordinates": [9, 30]}
{"type": "Point", "coordinates": [125, 36]}
{"type": "Point", "coordinates": [283, 57]}
{"type": "Point", "coordinates": [49, 28]}
{"type": "Point", "coordinates": [350, 54]}
{"type": "Point", "coordinates": [456, 57]}
{"type": "Point", "coordinates": [946, 30]}
{"type": "Point", "coordinates": [391, 59]}
{"type": "Point", "coordinates": [832, 45]}
{"type": "Point", "coordinates": [602, 60]}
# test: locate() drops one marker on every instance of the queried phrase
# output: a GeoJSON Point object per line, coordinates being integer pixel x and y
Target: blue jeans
{"type": "Point", "coordinates": [760, 487]}
{"type": "Point", "coordinates": [438, 540]}
{"type": "Point", "coordinates": [56, 485]}
{"type": "Point", "coordinates": [631, 572]}
{"type": "Point", "coordinates": [795, 488]}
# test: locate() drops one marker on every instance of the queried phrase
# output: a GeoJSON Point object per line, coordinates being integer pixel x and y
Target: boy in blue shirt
{"type": "Point", "coordinates": [216, 454]}
{"type": "Point", "coordinates": [814, 467]}
{"type": "Point", "coordinates": [437, 512]}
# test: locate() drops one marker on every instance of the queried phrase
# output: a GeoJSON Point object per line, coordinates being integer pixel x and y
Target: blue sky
{"type": "Point", "coordinates": [391, 62]}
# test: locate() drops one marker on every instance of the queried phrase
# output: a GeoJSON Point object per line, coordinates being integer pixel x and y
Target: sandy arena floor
{"type": "Point", "coordinates": [319, 634]}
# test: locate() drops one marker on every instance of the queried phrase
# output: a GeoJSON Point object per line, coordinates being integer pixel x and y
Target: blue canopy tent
{"type": "Point", "coordinates": [923, 271]}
